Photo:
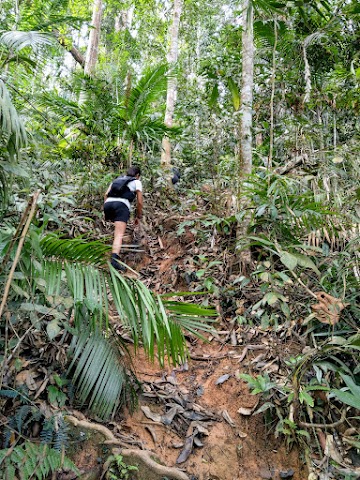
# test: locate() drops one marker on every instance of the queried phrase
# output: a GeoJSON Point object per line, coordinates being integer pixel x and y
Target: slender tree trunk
{"type": "Point", "coordinates": [273, 77]}
{"type": "Point", "coordinates": [171, 87]}
{"type": "Point", "coordinates": [94, 38]}
{"type": "Point", "coordinates": [245, 150]}
{"type": "Point", "coordinates": [247, 84]}
{"type": "Point", "coordinates": [307, 76]}
{"type": "Point", "coordinates": [93, 45]}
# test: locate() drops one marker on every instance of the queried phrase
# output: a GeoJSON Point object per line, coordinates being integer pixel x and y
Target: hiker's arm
{"type": "Point", "coordinates": [107, 193]}
{"type": "Point", "coordinates": [139, 204]}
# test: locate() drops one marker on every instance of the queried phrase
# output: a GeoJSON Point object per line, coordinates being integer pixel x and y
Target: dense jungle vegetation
{"type": "Point", "coordinates": [256, 103]}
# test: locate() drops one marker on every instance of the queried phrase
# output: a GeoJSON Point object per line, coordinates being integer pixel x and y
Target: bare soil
{"type": "Point", "coordinates": [242, 451]}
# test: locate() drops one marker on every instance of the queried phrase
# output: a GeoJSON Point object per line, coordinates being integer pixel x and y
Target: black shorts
{"type": "Point", "coordinates": [116, 212]}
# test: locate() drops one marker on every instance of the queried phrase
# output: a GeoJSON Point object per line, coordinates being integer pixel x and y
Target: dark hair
{"type": "Point", "coordinates": [133, 171]}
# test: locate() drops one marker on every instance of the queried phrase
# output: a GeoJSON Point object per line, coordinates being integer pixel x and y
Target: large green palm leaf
{"type": "Point", "coordinates": [10, 123]}
{"type": "Point", "coordinates": [75, 267]}
{"type": "Point", "coordinates": [99, 372]}
{"type": "Point", "coordinates": [152, 84]}
{"type": "Point", "coordinates": [17, 40]}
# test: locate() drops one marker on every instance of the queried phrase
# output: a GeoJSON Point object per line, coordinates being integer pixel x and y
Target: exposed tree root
{"type": "Point", "coordinates": [144, 456]}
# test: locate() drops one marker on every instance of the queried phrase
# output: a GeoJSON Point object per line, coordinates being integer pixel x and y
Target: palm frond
{"type": "Point", "coordinates": [17, 40]}
{"type": "Point", "coordinates": [144, 314]}
{"type": "Point", "coordinates": [73, 282]}
{"type": "Point", "coordinates": [100, 374]}
{"type": "Point", "coordinates": [74, 249]}
{"type": "Point", "coordinates": [149, 87]}
{"type": "Point", "coordinates": [313, 38]}
{"type": "Point", "coordinates": [10, 123]}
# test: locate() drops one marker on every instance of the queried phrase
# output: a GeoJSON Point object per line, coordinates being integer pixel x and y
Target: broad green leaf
{"type": "Point", "coordinates": [347, 398]}
{"type": "Point", "coordinates": [355, 389]}
{"type": "Point", "coordinates": [305, 397]}
{"type": "Point", "coordinates": [306, 262]}
{"type": "Point", "coordinates": [289, 260]}
{"type": "Point", "coordinates": [271, 298]}
{"type": "Point", "coordinates": [34, 307]}
{"type": "Point", "coordinates": [235, 95]}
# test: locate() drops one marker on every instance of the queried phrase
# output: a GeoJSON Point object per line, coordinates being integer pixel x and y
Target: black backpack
{"type": "Point", "coordinates": [119, 188]}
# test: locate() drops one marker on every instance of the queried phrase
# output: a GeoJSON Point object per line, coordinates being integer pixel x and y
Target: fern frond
{"type": "Point", "coordinates": [61, 437]}
{"type": "Point", "coordinates": [32, 459]}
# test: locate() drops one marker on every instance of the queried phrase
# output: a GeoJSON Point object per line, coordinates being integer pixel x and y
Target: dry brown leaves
{"type": "Point", "coordinates": [328, 309]}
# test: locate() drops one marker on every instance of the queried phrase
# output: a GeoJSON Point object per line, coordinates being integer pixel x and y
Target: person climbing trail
{"type": "Point", "coordinates": [175, 175]}
{"type": "Point", "coordinates": [117, 207]}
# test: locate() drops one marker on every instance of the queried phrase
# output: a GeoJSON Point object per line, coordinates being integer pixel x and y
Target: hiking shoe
{"type": "Point", "coordinates": [115, 262]}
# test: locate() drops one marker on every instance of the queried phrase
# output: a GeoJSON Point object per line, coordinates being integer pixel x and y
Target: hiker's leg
{"type": "Point", "coordinates": [119, 233]}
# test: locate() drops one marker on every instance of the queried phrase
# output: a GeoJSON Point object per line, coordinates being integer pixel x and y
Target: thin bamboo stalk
{"type": "Point", "coordinates": [18, 252]}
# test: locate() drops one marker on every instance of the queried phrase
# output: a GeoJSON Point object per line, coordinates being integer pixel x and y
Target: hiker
{"type": "Point", "coordinates": [118, 198]}
{"type": "Point", "coordinates": [175, 175]}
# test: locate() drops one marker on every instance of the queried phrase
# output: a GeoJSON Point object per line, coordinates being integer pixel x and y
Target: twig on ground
{"type": "Point", "coordinates": [325, 425]}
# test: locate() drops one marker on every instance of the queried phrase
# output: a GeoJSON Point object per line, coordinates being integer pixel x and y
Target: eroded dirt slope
{"type": "Point", "coordinates": [209, 395]}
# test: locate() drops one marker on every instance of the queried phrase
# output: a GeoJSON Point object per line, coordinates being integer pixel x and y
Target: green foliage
{"type": "Point", "coordinates": [118, 469]}
{"type": "Point", "coordinates": [17, 40]}
{"type": "Point", "coordinates": [64, 277]}
{"type": "Point", "coordinates": [100, 373]}
{"type": "Point", "coordinates": [259, 384]}
{"type": "Point", "coordinates": [335, 361]}
{"type": "Point", "coordinates": [285, 208]}
{"type": "Point", "coordinates": [31, 460]}
{"type": "Point", "coordinates": [10, 124]}
{"type": "Point", "coordinates": [351, 397]}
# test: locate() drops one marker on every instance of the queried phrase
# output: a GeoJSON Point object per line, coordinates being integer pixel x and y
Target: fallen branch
{"type": "Point", "coordinates": [207, 359]}
{"type": "Point", "coordinates": [110, 437]}
{"type": "Point", "coordinates": [251, 347]}
{"type": "Point", "coordinates": [295, 162]}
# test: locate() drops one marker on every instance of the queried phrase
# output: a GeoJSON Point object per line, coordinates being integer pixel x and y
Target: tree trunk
{"type": "Point", "coordinates": [171, 87]}
{"type": "Point", "coordinates": [245, 151]}
{"type": "Point", "coordinates": [247, 83]}
{"type": "Point", "coordinates": [273, 78]}
{"type": "Point", "coordinates": [94, 38]}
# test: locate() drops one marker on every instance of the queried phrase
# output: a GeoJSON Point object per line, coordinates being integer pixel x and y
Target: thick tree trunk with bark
{"type": "Point", "coordinates": [94, 38]}
{"type": "Point", "coordinates": [247, 85]}
{"type": "Point", "coordinates": [171, 88]}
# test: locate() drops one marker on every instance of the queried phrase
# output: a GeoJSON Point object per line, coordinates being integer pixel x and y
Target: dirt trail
{"type": "Point", "coordinates": [207, 432]}
{"type": "Point", "coordinates": [239, 451]}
